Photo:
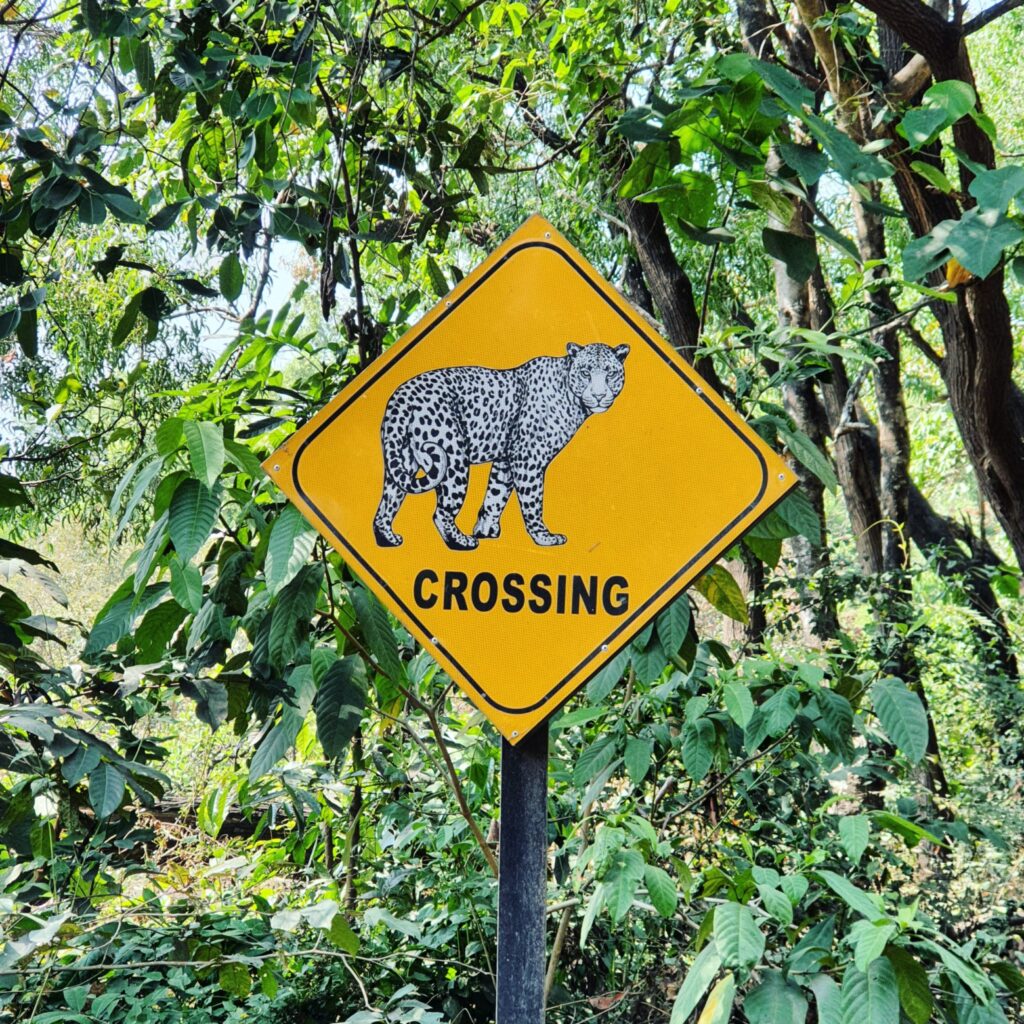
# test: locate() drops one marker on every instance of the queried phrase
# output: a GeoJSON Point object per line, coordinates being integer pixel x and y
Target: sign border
{"type": "Point", "coordinates": [673, 581]}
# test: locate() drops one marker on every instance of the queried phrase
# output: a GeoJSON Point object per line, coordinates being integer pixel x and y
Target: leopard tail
{"type": "Point", "coordinates": [433, 460]}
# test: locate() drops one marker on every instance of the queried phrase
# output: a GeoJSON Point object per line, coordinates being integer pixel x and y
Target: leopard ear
{"type": "Point", "coordinates": [621, 351]}
{"type": "Point", "coordinates": [571, 349]}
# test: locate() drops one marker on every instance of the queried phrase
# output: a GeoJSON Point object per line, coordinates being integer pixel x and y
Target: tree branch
{"type": "Point", "coordinates": [989, 15]}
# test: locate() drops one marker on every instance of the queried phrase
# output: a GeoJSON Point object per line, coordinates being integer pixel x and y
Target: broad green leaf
{"type": "Point", "coordinates": [342, 936]}
{"type": "Point", "coordinates": [718, 1008]}
{"type": "Point", "coordinates": [927, 253]}
{"type": "Point", "coordinates": [995, 190]}
{"type": "Point", "coordinates": [379, 636]}
{"type": "Point", "coordinates": [339, 705]}
{"type": "Point", "coordinates": [723, 593]}
{"type": "Point", "coordinates": [277, 741]}
{"type": "Point", "coordinates": [827, 999]}
{"type": "Point", "coordinates": [912, 981]}
{"type": "Point", "coordinates": [608, 678]}
{"type": "Point", "coordinates": [593, 759]}
{"type": "Point", "coordinates": [129, 318]}
{"type": "Point", "coordinates": [739, 941]}
{"type": "Point", "coordinates": [696, 982]}
{"type": "Point", "coordinates": [639, 750]}
{"type": "Point", "coordinates": [673, 623]}
{"type": "Point", "coordinates": [156, 629]}
{"type": "Point", "coordinates": [870, 997]}
{"type": "Point", "coordinates": [979, 238]}
{"type": "Point", "coordinates": [230, 277]}
{"type": "Point", "coordinates": [777, 904]}
{"type": "Point", "coordinates": [205, 443]}
{"type": "Point", "coordinates": [186, 584]}
{"type": "Point", "coordinates": [775, 1001]}
{"type": "Point", "coordinates": [797, 252]}
{"type": "Point", "coordinates": [661, 889]}
{"type": "Point", "coordinates": [780, 709]}
{"type": "Point", "coordinates": [698, 748]}
{"type": "Point", "coordinates": [738, 703]}
{"type": "Point", "coordinates": [293, 615]}
{"type": "Point", "coordinates": [190, 518]}
{"type": "Point", "coordinates": [910, 831]}
{"type": "Point", "coordinates": [106, 789]}
{"type": "Point", "coordinates": [856, 899]}
{"type": "Point", "coordinates": [811, 456]}
{"type": "Point", "coordinates": [234, 979]}
{"type": "Point", "coordinates": [621, 882]}
{"type": "Point", "coordinates": [854, 831]}
{"type": "Point", "coordinates": [798, 513]}
{"type": "Point", "coordinates": [871, 939]}
{"type": "Point", "coordinates": [291, 543]}
{"type": "Point", "coordinates": [902, 715]}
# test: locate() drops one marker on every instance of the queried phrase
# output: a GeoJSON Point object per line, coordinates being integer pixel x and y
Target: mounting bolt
{"type": "Point", "coordinates": [277, 469]}
{"type": "Point", "coordinates": [515, 733]}
{"type": "Point", "coordinates": [782, 476]}
{"type": "Point", "coordinates": [699, 391]}
{"type": "Point", "coordinates": [447, 303]}
{"type": "Point", "coordinates": [433, 639]}
{"type": "Point", "coordinates": [547, 234]}
{"type": "Point", "coordinates": [604, 647]}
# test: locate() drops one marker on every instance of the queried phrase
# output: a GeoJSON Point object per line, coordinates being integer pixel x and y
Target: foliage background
{"type": "Point", "coordinates": [231, 788]}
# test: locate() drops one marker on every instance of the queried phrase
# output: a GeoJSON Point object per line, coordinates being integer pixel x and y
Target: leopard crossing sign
{"type": "Point", "coordinates": [528, 477]}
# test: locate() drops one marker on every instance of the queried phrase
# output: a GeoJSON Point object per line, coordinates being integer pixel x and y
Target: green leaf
{"type": "Point", "coordinates": [638, 757]}
{"type": "Point", "coordinates": [798, 513]}
{"type": "Point", "coordinates": [437, 279]}
{"type": "Point", "coordinates": [293, 615]}
{"type": "Point", "coordinates": [380, 637]}
{"type": "Point", "coordinates": [213, 809]}
{"type": "Point", "coordinates": [276, 743]}
{"type": "Point", "coordinates": [854, 832]}
{"type": "Point", "coordinates": [902, 715]}
{"type": "Point", "coordinates": [811, 456]}
{"type": "Point", "coordinates": [9, 320]}
{"type": "Point", "coordinates": [190, 517]}
{"type": "Point", "coordinates": [106, 789]}
{"type": "Point", "coordinates": [738, 703]}
{"type": "Point", "coordinates": [673, 623]}
{"type": "Point", "coordinates": [978, 239]}
{"type": "Point", "coordinates": [871, 939]}
{"type": "Point", "coordinates": [695, 983]}
{"type": "Point", "coordinates": [342, 936]}
{"type": "Point", "coordinates": [339, 705]}
{"type": "Point", "coordinates": [230, 277]}
{"type": "Point", "coordinates": [124, 208]}
{"type": "Point", "coordinates": [661, 889]}
{"type": "Point", "coordinates": [856, 899]}
{"type": "Point", "coordinates": [27, 332]}
{"type": "Point", "coordinates": [912, 981]}
{"type": "Point", "coordinates": [780, 709]}
{"type": "Point", "coordinates": [621, 882]}
{"type": "Point", "coordinates": [186, 585]}
{"type": "Point", "coordinates": [777, 904]}
{"type": "Point", "coordinates": [12, 492]}
{"type": "Point", "coordinates": [718, 1008]}
{"type": "Point", "coordinates": [775, 1001]}
{"type": "Point", "coordinates": [870, 997]}
{"type": "Point", "coordinates": [927, 253]}
{"type": "Point", "coordinates": [205, 443]}
{"type": "Point", "coordinates": [698, 748]}
{"type": "Point", "coordinates": [595, 757]}
{"type": "Point", "coordinates": [291, 543]}
{"type": "Point", "coordinates": [995, 190]}
{"type": "Point", "coordinates": [739, 941]}
{"type": "Point", "coordinates": [723, 593]}
{"type": "Point", "coordinates": [234, 979]}
{"type": "Point", "coordinates": [797, 252]}
{"type": "Point", "coordinates": [807, 161]}
{"type": "Point", "coordinates": [608, 678]}
{"type": "Point", "coordinates": [827, 999]}
{"type": "Point", "coordinates": [933, 175]}
{"type": "Point", "coordinates": [144, 70]}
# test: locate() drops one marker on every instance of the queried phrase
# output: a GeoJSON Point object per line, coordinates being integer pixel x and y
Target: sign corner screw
{"type": "Point", "coordinates": [515, 733]}
{"type": "Point", "coordinates": [782, 476]}
{"type": "Point", "coordinates": [277, 468]}
{"type": "Point", "coordinates": [433, 639]}
{"type": "Point", "coordinates": [604, 647]}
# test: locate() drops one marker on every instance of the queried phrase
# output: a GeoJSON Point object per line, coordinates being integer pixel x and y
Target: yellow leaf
{"type": "Point", "coordinates": [957, 274]}
{"type": "Point", "coordinates": [718, 1008]}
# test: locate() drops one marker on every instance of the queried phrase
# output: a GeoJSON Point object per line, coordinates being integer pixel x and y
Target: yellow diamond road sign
{"type": "Point", "coordinates": [528, 477]}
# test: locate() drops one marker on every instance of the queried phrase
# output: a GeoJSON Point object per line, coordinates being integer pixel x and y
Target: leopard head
{"type": "Point", "coordinates": [596, 374]}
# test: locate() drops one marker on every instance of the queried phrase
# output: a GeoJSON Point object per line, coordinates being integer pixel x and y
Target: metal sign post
{"type": "Point", "coordinates": [522, 878]}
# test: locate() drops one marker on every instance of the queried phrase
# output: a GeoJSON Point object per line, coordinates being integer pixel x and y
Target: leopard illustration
{"type": "Point", "coordinates": [439, 423]}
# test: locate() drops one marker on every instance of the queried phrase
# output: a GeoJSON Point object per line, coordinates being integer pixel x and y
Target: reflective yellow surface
{"type": "Point", "coordinates": [647, 494]}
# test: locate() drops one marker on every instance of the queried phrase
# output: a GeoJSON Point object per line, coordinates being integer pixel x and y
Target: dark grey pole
{"type": "Point", "coordinates": [522, 878]}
